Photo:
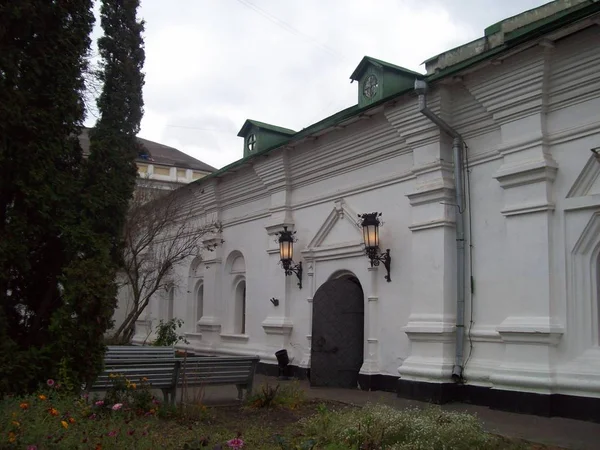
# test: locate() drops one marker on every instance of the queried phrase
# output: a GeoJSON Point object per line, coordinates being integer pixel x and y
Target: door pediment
{"type": "Point", "coordinates": [338, 236]}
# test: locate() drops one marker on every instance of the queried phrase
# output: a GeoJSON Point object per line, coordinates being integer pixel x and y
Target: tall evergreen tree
{"type": "Point", "coordinates": [111, 171]}
{"type": "Point", "coordinates": [43, 56]}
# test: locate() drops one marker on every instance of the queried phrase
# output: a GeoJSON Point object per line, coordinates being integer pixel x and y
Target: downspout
{"type": "Point", "coordinates": [457, 146]}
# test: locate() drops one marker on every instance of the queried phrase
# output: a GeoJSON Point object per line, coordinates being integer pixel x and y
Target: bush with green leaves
{"type": "Point", "coordinates": [289, 396]}
{"type": "Point", "coordinates": [380, 426]}
{"type": "Point", "coordinates": [166, 333]}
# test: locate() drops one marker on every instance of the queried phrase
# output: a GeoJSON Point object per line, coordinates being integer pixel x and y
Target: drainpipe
{"type": "Point", "coordinates": [457, 146]}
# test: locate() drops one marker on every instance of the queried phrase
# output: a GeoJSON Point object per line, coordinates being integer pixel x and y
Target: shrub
{"type": "Point", "coordinates": [287, 396]}
{"type": "Point", "coordinates": [380, 426]}
{"type": "Point", "coordinates": [166, 333]}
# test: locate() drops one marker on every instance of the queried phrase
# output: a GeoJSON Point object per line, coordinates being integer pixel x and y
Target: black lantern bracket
{"type": "Point", "coordinates": [286, 241]}
{"type": "Point", "coordinates": [291, 268]}
{"type": "Point", "coordinates": [370, 224]}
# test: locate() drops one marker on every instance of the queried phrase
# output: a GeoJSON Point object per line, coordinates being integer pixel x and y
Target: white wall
{"type": "Point", "coordinates": [529, 122]}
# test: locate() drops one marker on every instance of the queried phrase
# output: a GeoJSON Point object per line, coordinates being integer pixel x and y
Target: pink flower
{"type": "Point", "coordinates": [235, 443]}
{"type": "Point", "coordinates": [117, 406]}
{"type": "Point", "coordinates": [130, 432]}
{"type": "Point", "coordinates": [99, 403]}
{"type": "Point", "coordinates": [32, 447]}
{"type": "Point", "coordinates": [93, 416]}
{"type": "Point", "coordinates": [112, 433]}
{"type": "Point", "coordinates": [50, 382]}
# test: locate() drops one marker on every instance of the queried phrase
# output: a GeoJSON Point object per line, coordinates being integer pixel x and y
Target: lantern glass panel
{"type": "Point", "coordinates": [371, 235]}
{"type": "Point", "coordinates": [286, 250]}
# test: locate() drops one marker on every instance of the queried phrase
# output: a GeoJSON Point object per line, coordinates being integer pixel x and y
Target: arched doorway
{"type": "Point", "coordinates": [337, 333]}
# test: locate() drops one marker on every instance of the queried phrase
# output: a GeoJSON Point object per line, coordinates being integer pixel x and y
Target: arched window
{"type": "Point", "coordinates": [240, 308]}
{"type": "Point", "coordinates": [199, 302]}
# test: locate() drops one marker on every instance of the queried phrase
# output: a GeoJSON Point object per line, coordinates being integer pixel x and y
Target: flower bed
{"type": "Point", "coordinates": [129, 417]}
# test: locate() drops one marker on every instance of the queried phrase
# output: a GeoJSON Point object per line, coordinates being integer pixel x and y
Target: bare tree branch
{"type": "Point", "coordinates": [160, 234]}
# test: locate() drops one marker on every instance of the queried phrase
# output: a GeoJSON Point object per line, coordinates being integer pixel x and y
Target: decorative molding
{"type": "Point", "coordinates": [438, 191]}
{"type": "Point", "coordinates": [234, 337]}
{"type": "Point", "coordinates": [358, 189]}
{"type": "Point", "coordinates": [589, 237]}
{"type": "Point", "coordinates": [484, 333]}
{"type": "Point", "coordinates": [209, 323]}
{"type": "Point", "coordinates": [530, 330]}
{"type": "Point", "coordinates": [517, 210]}
{"type": "Point", "coordinates": [281, 326]}
{"type": "Point", "coordinates": [439, 223]}
{"type": "Point", "coordinates": [580, 203]}
{"type": "Point", "coordinates": [527, 172]}
{"type": "Point", "coordinates": [430, 328]}
{"type": "Point", "coordinates": [337, 251]}
{"type": "Point", "coordinates": [584, 182]}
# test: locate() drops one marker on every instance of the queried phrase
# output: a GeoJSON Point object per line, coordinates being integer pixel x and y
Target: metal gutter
{"type": "Point", "coordinates": [457, 148]}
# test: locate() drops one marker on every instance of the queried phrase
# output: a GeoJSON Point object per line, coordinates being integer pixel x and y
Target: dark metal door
{"type": "Point", "coordinates": [337, 334]}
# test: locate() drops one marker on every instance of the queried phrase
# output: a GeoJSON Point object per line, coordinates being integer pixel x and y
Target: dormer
{"type": "Point", "coordinates": [378, 79]}
{"type": "Point", "coordinates": [259, 136]}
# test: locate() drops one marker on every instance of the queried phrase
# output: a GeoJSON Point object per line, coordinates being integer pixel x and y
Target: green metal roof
{"type": "Point", "coordinates": [523, 34]}
{"type": "Point", "coordinates": [379, 63]}
{"type": "Point", "coordinates": [514, 38]}
{"type": "Point", "coordinates": [249, 123]}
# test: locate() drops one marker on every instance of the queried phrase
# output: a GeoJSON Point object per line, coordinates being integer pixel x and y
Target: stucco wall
{"type": "Point", "coordinates": [529, 122]}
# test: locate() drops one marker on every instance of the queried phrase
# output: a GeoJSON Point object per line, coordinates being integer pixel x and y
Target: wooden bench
{"type": "Point", "coordinates": [131, 352]}
{"type": "Point", "coordinates": [216, 370]}
{"type": "Point", "coordinates": [161, 373]}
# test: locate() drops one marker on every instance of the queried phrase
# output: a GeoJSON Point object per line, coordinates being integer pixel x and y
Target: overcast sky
{"type": "Point", "coordinates": [211, 64]}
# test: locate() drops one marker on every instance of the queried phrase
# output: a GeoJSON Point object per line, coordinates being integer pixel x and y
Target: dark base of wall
{"type": "Point", "coordinates": [386, 383]}
{"type": "Point", "coordinates": [554, 405]}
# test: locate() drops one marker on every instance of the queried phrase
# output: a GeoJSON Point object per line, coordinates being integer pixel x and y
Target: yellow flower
{"type": "Point", "coordinates": [133, 385]}
{"type": "Point", "coordinates": [42, 397]}
{"type": "Point", "coordinates": [64, 424]}
{"type": "Point", "coordinates": [24, 405]}
{"type": "Point", "coordinates": [12, 437]}
{"type": "Point", "coordinates": [71, 420]}
{"type": "Point", "coordinates": [53, 411]}
{"type": "Point", "coordinates": [15, 423]}
{"type": "Point", "coordinates": [112, 375]}
{"type": "Point", "coordinates": [144, 379]}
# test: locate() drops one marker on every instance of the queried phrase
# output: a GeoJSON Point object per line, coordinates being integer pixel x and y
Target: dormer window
{"type": "Point", "coordinates": [259, 136]}
{"type": "Point", "coordinates": [370, 86]}
{"type": "Point", "coordinates": [378, 80]}
{"type": "Point", "coordinates": [251, 143]}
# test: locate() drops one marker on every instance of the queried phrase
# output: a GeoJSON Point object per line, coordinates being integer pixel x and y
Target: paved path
{"type": "Point", "coordinates": [565, 433]}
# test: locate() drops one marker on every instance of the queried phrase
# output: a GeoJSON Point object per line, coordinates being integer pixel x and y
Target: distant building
{"type": "Point", "coordinates": [161, 166]}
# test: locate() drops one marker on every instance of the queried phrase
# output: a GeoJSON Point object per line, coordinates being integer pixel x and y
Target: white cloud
{"type": "Point", "coordinates": [210, 64]}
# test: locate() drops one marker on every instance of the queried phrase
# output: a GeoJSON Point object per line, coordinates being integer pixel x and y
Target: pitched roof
{"type": "Point", "coordinates": [377, 62]}
{"type": "Point", "coordinates": [160, 154]}
{"type": "Point", "coordinates": [248, 123]}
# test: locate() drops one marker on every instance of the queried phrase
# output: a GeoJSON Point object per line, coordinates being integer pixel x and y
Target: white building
{"type": "Point", "coordinates": [525, 102]}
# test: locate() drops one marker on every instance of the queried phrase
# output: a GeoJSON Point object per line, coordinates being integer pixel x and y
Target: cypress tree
{"type": "Point", "coordinates": [109, 180]}
{"type": "Point", "coordinates": [43, 57]}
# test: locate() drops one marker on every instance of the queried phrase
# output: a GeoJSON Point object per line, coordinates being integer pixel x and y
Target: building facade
{"type": "Point", "coordinates": [523, 103]}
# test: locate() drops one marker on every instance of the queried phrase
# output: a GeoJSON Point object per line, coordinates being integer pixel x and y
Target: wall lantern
{"type": "Point", "coordinates": [370, 225]}
{"type": "Point", "coordinates": [286, 254]}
